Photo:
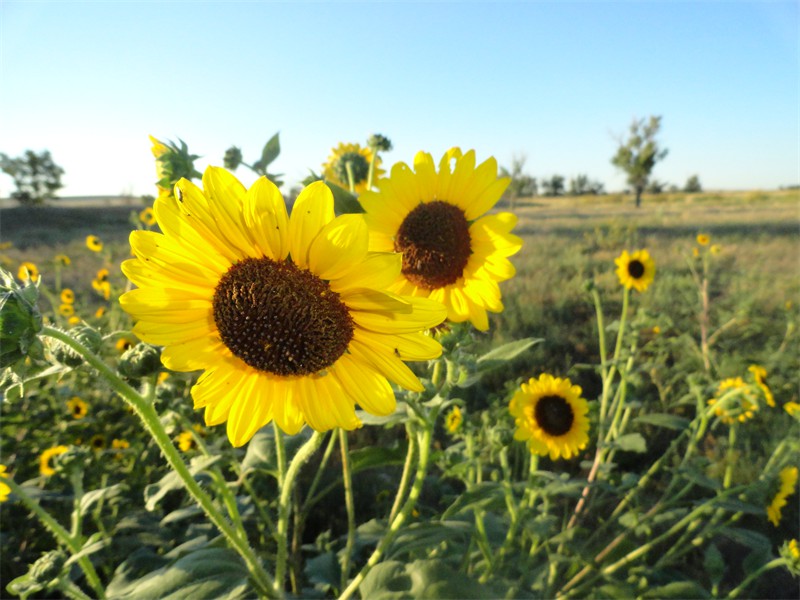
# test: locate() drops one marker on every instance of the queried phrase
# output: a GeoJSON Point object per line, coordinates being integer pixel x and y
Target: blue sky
{"type": "Point", "coordinates": [555, 81]}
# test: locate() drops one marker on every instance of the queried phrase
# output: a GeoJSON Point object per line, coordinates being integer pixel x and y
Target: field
{"type": "Point", "coordinates": [680, 517]}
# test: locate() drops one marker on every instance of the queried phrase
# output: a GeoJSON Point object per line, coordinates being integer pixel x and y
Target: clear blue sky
{"type": "Point", "coordinates": [555, 81]}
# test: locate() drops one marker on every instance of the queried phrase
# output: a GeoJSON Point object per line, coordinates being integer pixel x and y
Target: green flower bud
{"type": "Point", "coordinates": [379, 142]}
{"type": "Point", "coordinates": [48, 567]}
{"type": "Point", "coordinates": [20, 320]}
{"type": "Point", "coordinates": [88, 336]}
{"type": "Point", "coordinates": [233, 158]}
{"type": "Point", "coordinates": [141, 360]}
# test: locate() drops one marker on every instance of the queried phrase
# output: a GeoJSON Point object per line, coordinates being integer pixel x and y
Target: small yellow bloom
{"type": "Point", "coordinates": [63, 260]}
{"type": "Point", "coordinates": [103, 288]}
{"type": "Point", "coordinates": [656, 330]}
{"type": "Point", "coordinates": [98, 442]}
{"type": "Point", "coordinates": [124, 343]}
{"type": "Point", "coordinates": [73, 320]}
{"type": "Point", "coordinates": [119, 446]}
{"type": "Point", "coordinates": [793, 408]}
{"type": "Point", "coordinates": [760, 375]}
{"type": "Point", "coordinates": [77, 407]}
{"type": "Point", "coordinates": [738, 407]}
{"type": "Point", "coordinates": [67, 296]}
{"type": "Point", "coordinates": [4, 489]}
{"type": "Point", "coordinates": [348, 160]}
{"type": "Point", "coordinates": [454, 420]}
{"type": "Point", "coordinates": [100, 312]}
{"type": "Point", "coordinates": [45, 466]}
{"type": "Point", "coordinates": [28, 270]}
{"type": "Point", "coordinates": [703, 239]}
{"type": "Point", "coordinates": [94, 243]}
{"type": "Point", "coordinates": [788, 479]}
{"type": "Point", "coordinates": [636, 270]}
{"type": "Point", "coordinates": [716, 249]}
{"type": "Point", "coordinates": [186, 441]}
{"type": "Point", "coordinates": [148, 217]}
{"type": "Point", "coordinates": [695, 252]}
{"type": "Point", "coordinates": [66, 310]}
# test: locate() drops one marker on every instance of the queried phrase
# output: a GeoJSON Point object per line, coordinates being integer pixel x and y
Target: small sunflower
{"type": "Point", "coordinates": [4, 489]}
{"type": "Point", "coordinates": [551, 415]}
{"type": "Point", "coordinates": [124, 344]}
{"type": "Point", "coordinates": [66, 310]}
{"type": "Point", "coordinates": [359, 159]}
{"type": "Point", "coordinates": [186, 441]}
{"type": "Point", "coordinates": [67, 296]}
{"type": "Point", "coordinates": [716, 249]}
{"type": "Point", "coordinates": [147, 216]}
{"type": "Point", "coordinates": [635, 270]}
{"type": "Point", "coordinates": [103, 288]}
{"type": "Point", "coordinates": [73, 320]}
{"type": "Point", "coordinates": [77, 407]}
{"type": "Point", "coordinates": [94, 243]}
{"type": "Point", "coordinates": [454, 420]}
{"type": "Point", "coordinates": [119, 446]}
{"type": "Point", "coordinates": [28, 270]}
{"type": "Point", "coordinates": [790, 552]}
{"type": "Point", "coordinates": [788, 479]}
{"type": "Point", "coordinates": [452, 251]}
{"type": "Point", "coordinates": [45, 460]}
{"type": "Point", "coordinates": [100, 312]}
{"type": "Point", "coordinates": [63, 260]}
{"type": "Point", "coordinates": [703, 239]}
{"type": "Point", "coordinates": [739, 407]}
{"type": "Point", "coordinates": [792, 408]}
{"type": "Point", "coordinates": [760, 376]}
{"type": "Point", "coordinates": [98, 442]}
{"type": "Point", "coordinates": [287, 316]}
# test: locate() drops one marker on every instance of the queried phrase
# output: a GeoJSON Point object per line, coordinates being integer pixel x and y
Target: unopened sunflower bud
{"type": "Point", "coordinates": [233, 158]}
{"type": "Point", "coordinates": [48, 567]}
{"type": "Point", "coordinates": [379, 142]}
{"type": "Point", "coordinates": [141, 360]}
{"type": "Point", "coordinates": [20, 320]}
{"type": "Point", "coordinates": [84, 334]}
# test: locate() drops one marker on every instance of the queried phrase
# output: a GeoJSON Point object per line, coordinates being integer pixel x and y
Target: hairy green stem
{"type": "Point", "coordinates": [147, 414]}
{"type": "Point", "coordinates": [777, 562]}
{"type": "Point", "coordinates": [347, 477]}
{"type": "Point", "coordinates": [406, 476]}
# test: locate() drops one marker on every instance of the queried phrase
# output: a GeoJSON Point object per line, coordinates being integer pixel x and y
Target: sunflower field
{"type": "Point", "coordinates": [389, 385]}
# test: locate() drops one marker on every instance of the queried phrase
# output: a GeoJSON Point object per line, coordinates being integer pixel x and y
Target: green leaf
{"type": "Point", "coordinates": [714, 564]}
{"type": "Point", "coordinates": [427, 535]}
{"type": "Point", "coordinates": [663, 420]}
{"type": "Point", "coordinates": [212, 573]}
{"type": "Point", "coordinates": [343, 201]}
{"type": "Point", "coordinates": [154, 492]}
{"type": "Point", "coordinates": [483, 495]}
{"type": "Point", "coordinates": [270, 152]}
{"type": "Point", "coordinates": [89, 498]}
{"type": "Point", "coordinates": [631, 442]}
{"type": "Point", "coordinates": [261, 453]}
{"type": "Point", "coordinates": [429, 579]}
{"type": "Point", "coordinates": [399, 415]}
{"type": "Point", "coordinates": [323, 570]}
{"type": "Point", "coordinates": [375, 456]}
{"type": "Point", "coordinates": [747, 537]}
{"type": "Point", "coordinates": [677, 589]}
{"type": "Point", "coordinates": [506, 352]}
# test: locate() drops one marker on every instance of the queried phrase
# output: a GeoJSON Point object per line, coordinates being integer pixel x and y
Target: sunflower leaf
{"type": "Point", "coordinates": [631, 442]}
{"type": "Point", "coordinates": [663, 420]}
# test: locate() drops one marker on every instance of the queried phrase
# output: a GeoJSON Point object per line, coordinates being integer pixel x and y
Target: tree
{"type": "Point", "coordinates": [582, 186]}
{"type": "Point", "coordinates": [522, 185]}
{"type": "Point", "coordinates": [554, 186]}
{"type": "Point", "coordinates": [637, 155]}
{"type": "Point", "coordinates": [693, 185]}
{"type": "Point", "coordinates": [36, 176]}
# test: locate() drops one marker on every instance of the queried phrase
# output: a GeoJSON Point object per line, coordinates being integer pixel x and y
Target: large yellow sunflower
{"type": "Point", "coordinates": [335, 170]}
{"type": "Point", "coordinates": [551, 415]}
{"type": "Point", "coordinates": [287, 316]}
{"type": "Point", "coordinates": [452, 251]}
{"type": "Point", "coordinates": [635, 270]}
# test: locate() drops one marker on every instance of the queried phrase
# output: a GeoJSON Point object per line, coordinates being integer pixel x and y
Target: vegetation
{"type": "Point", "coordinates": [36, 177]}
{"type": "Point", "coordinates": [638, 154]}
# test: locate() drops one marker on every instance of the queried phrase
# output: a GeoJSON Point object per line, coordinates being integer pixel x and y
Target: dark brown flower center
{"type": "Point", "coordinates": [436, 245]}
{"type": "Point", "coordinates": [279, 318]}
{"type": "Point", "coordinates": [554, 415]}
{"type": "Point", "coordinates": [635, 269]}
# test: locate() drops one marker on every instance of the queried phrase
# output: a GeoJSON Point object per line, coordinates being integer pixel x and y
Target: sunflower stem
{"type": "Point", "coordinates": [777, 562]}
{"type": "Point", "coordinates": [153, 425]}
{"type": "Point", "coordinates": [730, 456]}
{"type": "Point", "coordinates": [405, 477]}
{"type": "Point", "coordinates": [285, 501]}
{"type": "Point", "coordinates": [73, 543]}
{"type": "Point", "coordinates": [351, 180]}
{"type": "Point", "coordinates": [347, 478]}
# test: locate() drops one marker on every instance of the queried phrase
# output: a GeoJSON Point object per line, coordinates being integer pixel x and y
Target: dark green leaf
{"type": "Point", "coordinates": [483, 495]}
{"type": "Point", "coordinates": [271, 150]}
{"type": "Point", "coordinates": [631, 442]}
{"type": "Point", "coordinates": [89, 498]}
{"type": "Point", "coordinates": [663, 420]}
{"type": "Point", "coordinates": [714, 564]}
{"type": "Point", "coordinates": [430, 579]}
{"type": "Point", "coordinates": [154, 492]}
{"type": "Point", "coordinates": [747, 537]}
{"type": "Point", "coordinates": [343, 201]}
{"type": "Point", "coordinates": [677, 589]}
{"type": "Point", "coordinates": [375, 456]}
{"type": "Point", "coordinates": [506, 352]}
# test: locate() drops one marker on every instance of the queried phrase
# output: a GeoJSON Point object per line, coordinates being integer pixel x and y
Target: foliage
{"type": "Point", "coordinates": [553, 186]}
{"type": "Point", "coordinates": [581, 185]}
{"type": "Point", "coordinates": [36, 177]}
{"type": "Point", "coordinates": [638, 154]}
{"type": "Point", "coordinates": [522, 185]}
{"type": "Point", "coordinates": [692, 185]}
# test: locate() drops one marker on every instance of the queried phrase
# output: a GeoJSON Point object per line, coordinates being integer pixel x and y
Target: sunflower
{"type": "Point", "coordinates": [66, 310]}
{"type": "Point", "coordinates": [28, 270]}
{"type": "Point", "coordinates": [63, 260]}
{"type": "Point", "coordinates": [100, 312]}
{"type": "Point", "coordinates": [703, 239]}
{"type": "Point", "coordinates": [760, 376]}
{"type": "Point", "coordinates": [98, 442]}
{"type": "Point", "coordinates": [551, 415]}
{"type": "Point", "coordinates": [359, 159]}
{"type": "Point", "coordinates": [77, 407]}
{"type": "Point", "coordinates": [452, 252]}
{"type": "Point", "coordinates": [124, 344]}
{"type": "Point", "coordinates": [286, 315]}
{"type": "Point", "coordinates": [4, 489]}
{"type": "Point", "coordinates": [454, 419]}
{"type": "Point", "coordinates": [635, 270]}
{"type": "Point", "coordinates": [147, 216]}
{"type": "Point", "coordinates": [792, 408]}
{"type": "Point", "coordinates": [740, 407]}
{"type": "Point", "coordinates": [186, 441]}
{"type": "Point", "coordinates": [93, 243]}
{"type": "Point", "coordinates": [67, 296]}
{"type": "Point", "coordinates": [45, 466]}
{"type": "Point", "coordinates": [73, 320]}
{"type": "Point", "coordinates": [788, 479]}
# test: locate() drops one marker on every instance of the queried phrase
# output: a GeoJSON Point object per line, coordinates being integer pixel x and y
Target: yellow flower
{"type": "Point", "coordinates": [454, 420]}
{"type": "Point", "coordinates": [736, 407]}
{"type": "Point", "coordinates": [760, 376]}
{"type": "Point", "coordinates": [716, 249]}
{"type": "Point", "coordinates": [359, 159]}
{"type": "Point", "coordinates": [788, 479]}
{"type": "Point", "coordinates": [45, 466]}
{"type": "Point", "coordinates": [147, 216]}
{"type": "Point", "coordinates": [635, 270]}
{"type": "Point", "coordinates": [124, 343]}
{"type": "Point", "coordinates": [703, 239]}
{"type": "Point", "coordinates": [63, 260]}
{"type": "Point", "coordinates": [4, 489]}
{"type": "Point", "coordinates": [67, 296]}
{"type": "Point", "coordinates": [552, 416]}
{"type": "Point", "coordinates": [77, 407]}
{"type": "Point", "coordinates": [186, 441]}
{"type": "Point", "coordinates": [98, 442]}
{"type": "Point", "coordinates": [93, 243]}
{"type": "Point", "coordinates": [100, 312]}
{"type": "Point", "coordinates": [74, 320]}
{"type": "Point", "coordinates": [103, 288]}
{"type": "Point", "coordinates": [453, 252]}
{"type": "Point", "coordinates": [695, 252]}
{"type": "Point", "coordinates": [119, 446]}
{"type": "Point", "coordinates": [656, 330]}
{"type": "Point", "coordinates": [162, 377]}
{"type": "Point", "coordinates": [287, 316]}
{"type": "Point", "coordinates": [28, 270]}
{"type": "Point", "coordinates": [66, 310]}
{"type": "Point", "coordinates": [793, 408]}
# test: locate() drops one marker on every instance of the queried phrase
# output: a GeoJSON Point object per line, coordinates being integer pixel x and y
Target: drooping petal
{"type": "Point", "coordinates": [426, 314]}
{"type": "Point", "coordinates": [369, 389]}
{"type": "Point", "coordinates": [340, 244]}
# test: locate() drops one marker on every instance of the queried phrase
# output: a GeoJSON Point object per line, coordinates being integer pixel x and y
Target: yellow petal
{"type": "Point", "coordinates": [365, 299]}
{"type": "Point", "coordinates": [163, 253]}
{"type": "Point", "coordinates": [164, 306]}
{"type": "Point", "coordinates": [390, 366]}
{"type": "Point", "coordinates": [249, 412]}
{"type": "Point", "coordinates": [426, 176]}
{"type": "Point", "coordinates": [162, 334]}
{"type": "Point", "coordinates": [266, 217]}
{"type": "Point", "coordinates": [426, 314]}
{"type": "Point", "coordinates": [369, 389]}
{"type": "Point", "coordinates": [225, 196]}
{"type": "Point", "coordinates": [312, 210]}
{"type": "Point", "coordinates": [406, 346]}
{"type": "Point", "coordinates": [458, 194]}
{"type": "Point", "coordinates": [487, 199]}
{"type": "Point", "coordinates": [377, 270]}
{"type": "Point", "coordinates": [192, 355]}
{"type": "Point", "coordinates": [285, 410]}
{"type": "Point", "coordinates": [143, 275]}
{"type": "Point", "coordinates": [339, 245]}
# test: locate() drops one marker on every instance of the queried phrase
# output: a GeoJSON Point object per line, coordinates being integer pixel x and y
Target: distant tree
{"type": "Point", "coordinates": [693, 185]}
{"type": "Point", "coordinates": [655, 187]}
{"type": "Point", "coordinates": [522, 185]}
{"type": "Point", "coordinates": [637, 155]}
{"type": "Point", "coordinates": [554, 186]}
{"type": "Point", "coordinates": [581, 185]}
{"type": "Point", "coordinates": [36, 176]}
